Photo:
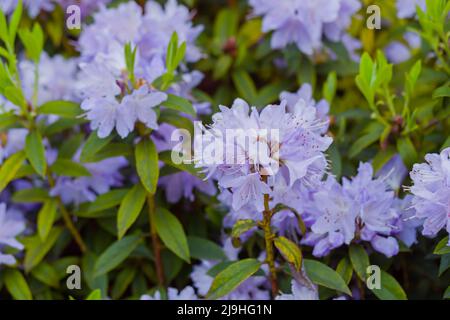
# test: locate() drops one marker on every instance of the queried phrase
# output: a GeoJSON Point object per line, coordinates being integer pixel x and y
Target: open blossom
{"type": "Point", "coordinates": [12, 224]}
{"type": "Point", "coordinates": [104, 85]}
{"type": "Point", "coordinates": [431, 192]}
{"type": "Point", "coordinates": [362, 208]}
{"type": "Point", "coordinates": [246, 150]}
{"type": "Point", "coordinates": [305, 22]}
{"type": "Point", "coordinates": [86, 6]}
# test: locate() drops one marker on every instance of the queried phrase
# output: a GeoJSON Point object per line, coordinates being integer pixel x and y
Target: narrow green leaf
{"type": "Point", "coordinates": [345, 269]}
{"type": "Point", "coordinates": [230, 278]}
{"type": "Point", "coordinates": [180, 104]}
{"type": "Point", "coordinates": [64, 109]}
{"type": "Point", "coordinates": [290, 251]}
{"type": "Point", "coordinates": [17, 285]}
{"type": "Point", "coordinates": [95, 295]}
{"type": "Point", "coordinates": [390, 289]}
{"type": "Point", "coordinates": [122, 282]}
{"type": "Point", "coordinates": [102, 202]}
{"type": "Point", "coordinates": [35, 151]}
{"type": "Point", "coordinates": [130, 208]}
{"type": "Point", "coordinates": [204, 249]}
{"type": "Point", "coordinates": [444, 264]}
{"type": "Point", "coordinates": [245, 86]}
{"type": "Point", "coordinates": [31, 195]}
{"type": "Point", "coordinates": [93, 145]}
{"type": "Point", "coordinates": [46, 217]}
{"type": "Point", "coordinates": [147, 164]}
{"type": "Point", "coordinates": [69, 168]}
{"type": "Point", "coordinates": [37, 249]}
{"type": "Point", "coordinates": [171, 233]}
{"type": "Point", "coordinates": [242, 226]}
{"type": "Point", "coordinates": [447, 293]}
{"type": "Point", "coordinates": [442, 247]}
{"type": "Point", "coordinates": [10, 168]}
{"type": "Point", "coordinates": [360, 260]}
{"type": "Point", "coordinates": [407, 151]}
{"type": "Point", "coordinates": [47, 274]}
{"type": "Point", "coordinates": [115, 254]}
{"type": "Point", "coordinates": [323, 275]}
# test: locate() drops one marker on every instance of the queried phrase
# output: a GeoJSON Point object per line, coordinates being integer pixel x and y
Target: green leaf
{"type": "Point", "coordinates": [123, 280]}
{"type": "Point", "coordinates": [171, 233]}
{"type": "Point", "coordinates": [15, 95]}
{"type": "Point", "coordinates": [442, 92]}
{"type": "Point", "coordinates": [442, 247]}
{"type": "Point", "coordinates": [147, 164]}
{"type": "Point", "coordinates": [17, 285]}
{"type": "Point", "coordinates": [360, 260]}
{"type": "Point", "coordinates": [64, 109]}
{"type": "Point", "coordinates": [323, 275]}
{"type": "Point", "coordinates": [204, 249]}
{"type": "Point", "coordinates": [130, 208]}
{"type": "Point", "coordinates": [10, 168]}
{"type": "Point", "coordinates": [95, 295]}
{"type": "Point", "coordinates": [242, 226]}
{"type": "Point", "coordinates": [166, 157]}
{"type": "Point", "coordinates": [345, 269]}
{"type": "Point", "coordinates": [178, 103]}
{"type": "Point", "coordinates": [47, 274]}
{"type": "Point", "coordinates": [230, 278]}
{"type": "Point", "coordinates": [37, 249]}
{"type": "Point", "coordinates": [69, 168]}
{"type": "Point", "coordinates": [31, 195]}
{"type": "Point", "coordinates": [172, 48]}
{"type": "Point", "coordinates": [46, 217]}
{"type": "Point", "coordinates": [93, 145]}
{"type": "Point", "coordinates": [447, 293]}
{"type": "Point", "coordinates": [102, 202]}
{"type": "Point", "coordinates": [390, 289]}
{"type": "Point", "coordinates": [14, 22]}
{"type": "Point", "coordinates": [373, 134]}
{"type": "Point", "coordinates": [115, 254]}
{"type": "Point", "coordinates": [290, 251]}
{"type": "Point", "coordinates": [245, 86]}
{"type": "Point", "coordinates": [329, 87]}
{"type": "Point", "coordinates": [35, 151]}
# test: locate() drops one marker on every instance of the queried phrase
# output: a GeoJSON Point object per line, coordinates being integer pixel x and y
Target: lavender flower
{"type": "Point", "coordinates": [394, 172]}
{"type": "Point", "coordinates": [86, 6]}
{"type": "Point", "coordinates": [268, 144]}
{"type": "Point", "coordinates": [362, 206]}
{"type": "Point", "coordinates": [14, 142]}
{"type": "Point", "coordinates": [431, 192]}
{"type": "Point", "coordinates": [305, 23]}
{"type": "Point", "coordinates": [12, 224]}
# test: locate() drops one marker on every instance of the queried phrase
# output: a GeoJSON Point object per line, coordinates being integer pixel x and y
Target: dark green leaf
{"type": "Point", "coordinates": [130, 208]}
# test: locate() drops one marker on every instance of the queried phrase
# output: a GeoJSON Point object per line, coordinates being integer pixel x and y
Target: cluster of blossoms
{"type": "Point", "coordinates": [431, 192]}
{"type": "Point", "coordinates": [361, 208]}
{"type": "Point", "coordinates": [108, 96]}
{"type": "Point", "coordinates": [260, 150]}
{"type": "Point", "coordinates": [307, 23]}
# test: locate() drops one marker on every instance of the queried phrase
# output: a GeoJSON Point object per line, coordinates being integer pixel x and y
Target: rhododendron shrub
{"type": "Point", "coordinates": [252, 150]}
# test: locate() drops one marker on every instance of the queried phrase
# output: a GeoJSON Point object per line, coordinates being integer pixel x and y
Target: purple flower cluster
{"type": "Point", "coordinates": [360, 208]}
{"type": "Point", "coordinates": [32, 6]}
{"type": "Point", "coordinates": [108, 97]}
{"type": "Point", "coordinates": [263, 152]}
{"type": "Point", "coordinates": [431, 192]}
{"type": "Point", "coordinates": [305, 22]}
